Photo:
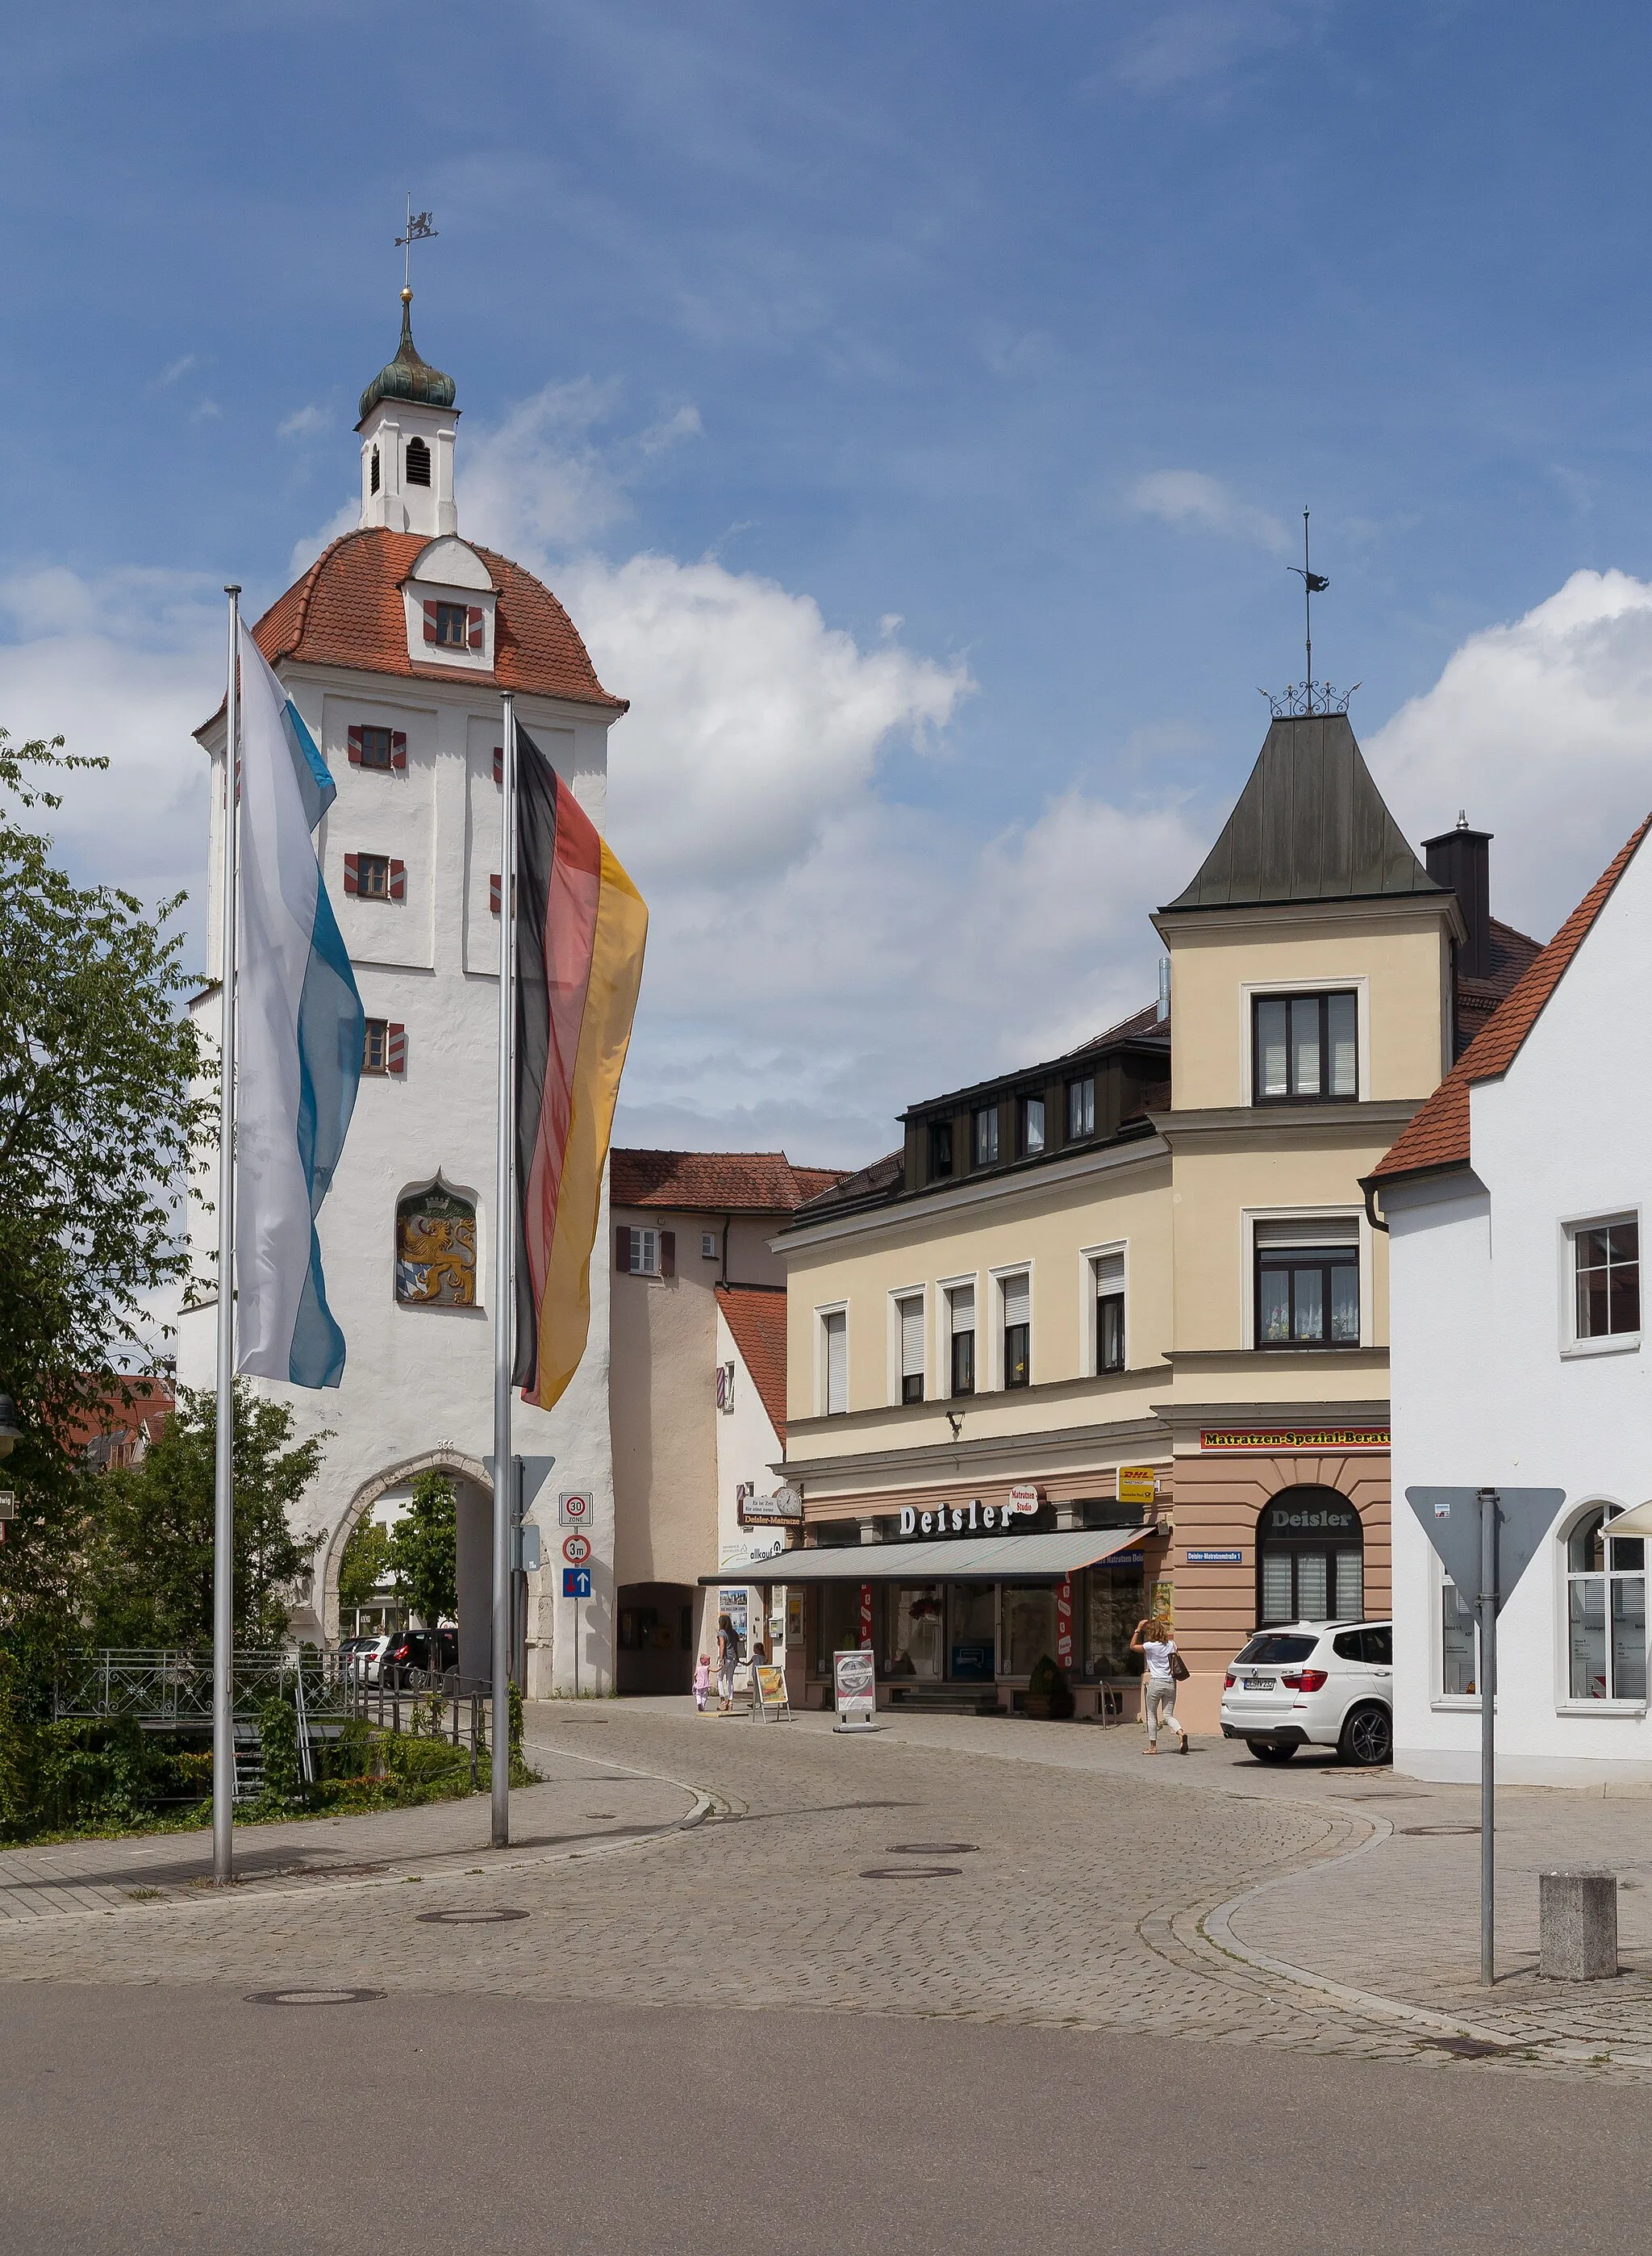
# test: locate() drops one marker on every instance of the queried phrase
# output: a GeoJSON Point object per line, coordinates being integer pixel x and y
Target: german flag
{"type": "Point", "coordinates": [581, 926]}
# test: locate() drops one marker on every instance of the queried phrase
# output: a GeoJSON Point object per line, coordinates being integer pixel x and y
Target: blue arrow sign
{"type": "Point", "coordinates": [576, 1582]}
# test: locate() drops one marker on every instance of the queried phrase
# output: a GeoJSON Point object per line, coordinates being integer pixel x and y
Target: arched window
{"type": "Point", "coordinates": [417, 463]}
{"type": "Point", "coordinates": [436, 1249]}
{"type": "Point", "coordinates": [372, 474]}
{"type": "Point", "coordinates": [1606, 1610]}
{"type": "Point", "coordinates": [1309, 1558]}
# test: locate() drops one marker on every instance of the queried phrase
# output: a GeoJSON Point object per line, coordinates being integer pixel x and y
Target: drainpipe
{"type": "Point", "coordinates": [1368, 1185]}
{"type": "Point", "coordinates": [727, 1221]}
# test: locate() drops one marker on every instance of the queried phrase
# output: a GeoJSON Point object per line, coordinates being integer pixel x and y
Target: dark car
{"type": "Point", "coordinates": [419, 1654]}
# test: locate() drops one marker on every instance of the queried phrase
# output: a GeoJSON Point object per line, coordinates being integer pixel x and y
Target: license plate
{"type": "Point", "coordinates": [1261, 1684]}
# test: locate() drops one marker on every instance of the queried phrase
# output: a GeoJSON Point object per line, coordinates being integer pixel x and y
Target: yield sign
{"type": "Point", "coordinates": [1449, 1518]}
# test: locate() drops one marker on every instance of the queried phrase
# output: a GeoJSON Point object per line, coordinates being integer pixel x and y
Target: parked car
{"type": "Point", "coordinates": [360, 1656]}
{"type": "Point", "coordinates": [1319, 1684]}
{"type": "Point", "coordinates": [429, 1651]}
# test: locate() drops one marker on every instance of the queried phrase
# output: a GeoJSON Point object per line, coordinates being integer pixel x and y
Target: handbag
{"type": "Point", "coordinates": [1179, 1669]}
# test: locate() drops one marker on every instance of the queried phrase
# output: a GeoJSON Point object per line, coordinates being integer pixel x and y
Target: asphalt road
{"type": "Point", "coordinates": [139, 2119]}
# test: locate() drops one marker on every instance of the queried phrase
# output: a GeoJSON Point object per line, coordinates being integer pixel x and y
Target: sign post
{"type": "Point", "coordinates": [1484, 1538]}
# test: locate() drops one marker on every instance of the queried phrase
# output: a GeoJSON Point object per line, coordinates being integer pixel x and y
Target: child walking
{"type": "Point", "coordinates": [702, 1682]}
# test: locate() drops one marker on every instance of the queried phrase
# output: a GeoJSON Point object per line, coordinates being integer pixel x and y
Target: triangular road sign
{"type": "Point", "coordinates": [1449, 1518]}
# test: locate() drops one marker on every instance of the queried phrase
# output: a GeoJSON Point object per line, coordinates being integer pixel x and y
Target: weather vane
{"type": "Point", "coordinates": [418, 230]}
{"type": "Point", "coordinates": [1313, 583]}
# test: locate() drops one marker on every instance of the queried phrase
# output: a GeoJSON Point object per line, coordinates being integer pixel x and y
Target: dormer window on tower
{"type": "Point", "coordinates": [417, 463]}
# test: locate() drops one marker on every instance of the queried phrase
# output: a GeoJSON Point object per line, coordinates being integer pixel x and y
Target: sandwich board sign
{"type": "Point", "coordinates": [854, 1681]}
{"type": "Point", "coordinates": [1486, 1538]}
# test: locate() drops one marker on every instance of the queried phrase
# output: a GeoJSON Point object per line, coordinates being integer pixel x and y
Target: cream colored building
{"type": "Point", "coordinates": [1153, 1252]}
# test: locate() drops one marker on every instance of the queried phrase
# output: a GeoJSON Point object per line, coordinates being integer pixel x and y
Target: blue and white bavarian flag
{"type": "Point", "coordinates": [298, 1030]}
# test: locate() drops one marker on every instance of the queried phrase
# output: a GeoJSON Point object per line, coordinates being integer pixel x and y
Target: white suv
{"type": "Point", "coordinates": [1321, 1684]}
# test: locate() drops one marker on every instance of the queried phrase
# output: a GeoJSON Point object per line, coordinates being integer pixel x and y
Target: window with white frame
{"type": "Point", "coordinates": [1108, 1270]}
{"type": "Point", "coordinates": [1017, 1293]}
{"type": "Point", "coordinates": [639, 1251]}
{"type": "Point", "coordinates": [1605, 1278]}
{"type": "Point", "coordinates": [908, 1318]}
{"type": "Point", "coordinates": [960, 1326]}
{"type": "Point", "coordinates": [835, 1328]}
{"type": "Point", "coordinates": [1605, 1610]}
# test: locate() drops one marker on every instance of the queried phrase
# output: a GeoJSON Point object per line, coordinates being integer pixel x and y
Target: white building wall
{"type": "Point", "coordinates": [1484, 1389]}
{"type": "Point", "coordinates": [418, 1386]}
{"type": "Point", "coordinates": [748, 1449]}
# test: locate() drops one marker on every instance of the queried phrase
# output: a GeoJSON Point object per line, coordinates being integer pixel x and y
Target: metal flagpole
{"type": "Point", "coordinates": [505, 1268]}
{"type": "Point", "coordinates": [1488, 1504]}
{"type": "Point", "coordinates": [224, 1516]}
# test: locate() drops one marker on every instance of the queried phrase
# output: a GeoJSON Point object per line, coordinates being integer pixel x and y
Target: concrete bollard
{"type": "Point", "coordinates": [1578, 1926]}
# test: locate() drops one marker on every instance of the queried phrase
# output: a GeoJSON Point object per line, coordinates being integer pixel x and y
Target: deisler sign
{"type": "Point", "coordinates": [972, 1518]}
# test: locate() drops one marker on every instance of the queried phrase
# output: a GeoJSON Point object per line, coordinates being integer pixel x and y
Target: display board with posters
{"type": "Point", "coordinates": [854, 1684]}
{"type": "Point", "coordinates": [768, 1690]}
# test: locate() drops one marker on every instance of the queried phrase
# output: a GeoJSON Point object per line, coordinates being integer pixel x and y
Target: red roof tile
{"type": "Point", "coordinates": [756, 1315]}
{"type": "Point", "coordinates": [1438, 1137]}
{"type": "Point", "coordinates": [715, 1182]}
{"type": "Point", "coordinates": [347, 611]}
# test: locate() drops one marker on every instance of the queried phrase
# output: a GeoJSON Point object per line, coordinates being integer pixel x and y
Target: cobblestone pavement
{"type": "Point", "coordinates": [943, 1869]}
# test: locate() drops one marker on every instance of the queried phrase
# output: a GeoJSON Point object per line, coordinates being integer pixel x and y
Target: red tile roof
{"type": "Point", "coordinates": [1438, 1135]}
{"type": "Point", "coordinates": [715, 1182]}
{"type": "Point", "coordinates": [347, 611]}
{"type": "Point", "coordinates": [756, 1315]}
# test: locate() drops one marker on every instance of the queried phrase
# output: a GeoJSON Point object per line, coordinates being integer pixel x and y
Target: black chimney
{"type": "Point", "coordinates": [1457, 859]}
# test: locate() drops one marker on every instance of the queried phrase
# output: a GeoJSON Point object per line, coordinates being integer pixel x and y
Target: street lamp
{"type": "Point", "coordinates": [10, 1432]}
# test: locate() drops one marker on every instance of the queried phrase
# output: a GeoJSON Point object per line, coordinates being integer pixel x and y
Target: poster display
{"type": "Point", "coordinates": [854, 1684]}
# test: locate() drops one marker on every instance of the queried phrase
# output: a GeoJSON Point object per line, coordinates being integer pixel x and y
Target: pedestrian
{"type": "Point", "coordinates": [728, 1661]}
{"type": "Point", "coordinates": [1155, 1642]}
{"type": "Point", "coordinates": [702, 1682]}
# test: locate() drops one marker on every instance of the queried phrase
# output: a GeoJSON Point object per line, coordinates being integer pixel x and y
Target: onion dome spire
{"type": "Point", "coordinates": [407, 376]}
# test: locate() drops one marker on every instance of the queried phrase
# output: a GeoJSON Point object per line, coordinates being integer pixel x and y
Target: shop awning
{"type": "Point", "coordinates": [967, 1558]}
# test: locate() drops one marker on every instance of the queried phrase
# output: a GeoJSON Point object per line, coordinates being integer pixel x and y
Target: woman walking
{"type": "Point", "coordinates": [1156, 1645]}
{"type": "Point", "coordinates": [728, 1661]}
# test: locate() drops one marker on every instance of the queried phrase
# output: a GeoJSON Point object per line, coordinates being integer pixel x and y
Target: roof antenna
{"type": "Point", "coordinates": [1313, 583]}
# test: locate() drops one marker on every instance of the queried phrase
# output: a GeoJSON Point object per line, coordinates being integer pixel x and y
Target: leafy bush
{"type": "Point", "coordinates": [278, 1733]}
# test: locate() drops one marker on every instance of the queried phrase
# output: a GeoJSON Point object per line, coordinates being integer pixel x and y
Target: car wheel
{"type": "Point", "coordinates": [1367, 1737]}
{"type": "Point", "coordinates": [1265, 1751]}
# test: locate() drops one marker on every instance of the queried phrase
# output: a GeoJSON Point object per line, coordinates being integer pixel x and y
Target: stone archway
{"type": "Point", "coordinates": [444, 1458]}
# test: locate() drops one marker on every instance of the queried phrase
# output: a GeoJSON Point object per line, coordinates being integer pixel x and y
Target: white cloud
{"type": "Point", "coordinates": [1191, 498]}
{"type": "Point", "coordinates": [304, 423]}
{"type": "Point", "coordinates": [345, 518]}
{"type": "Point", "coordinates": [1183, 44]}
{"type": "Point", "coordinates": [1542, 731]}
{"type": "Point", "coordinates": [537, 480]}
{"type": "Point", "coordinates": [178, 368]}
{"type": "Point", "coordinates": [205, 410]}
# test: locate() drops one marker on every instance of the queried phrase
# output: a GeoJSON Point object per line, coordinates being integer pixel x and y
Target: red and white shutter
{"type": "Point", "coordinates": [352, 879]}
{"type": "Point", "coordinates": [499, 763]}
{"type": "Point", "coordinates": [430, 622]}
{"type": "Point", "coordinates": [474, 629]}
{"type": "Point", "coordinates": [495, 889]}
{"type": "Point", "coordinates": [356, 747]}
{"type": "Point", "coordinates": [398, 749]}
{"type": "Point", "coordinates": [398, 881]}
{"type": "Point", "coordinates": [395, 1049]}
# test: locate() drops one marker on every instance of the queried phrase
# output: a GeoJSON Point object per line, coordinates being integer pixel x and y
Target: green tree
{"type": "Point", "coordinates": [423, 1549]}
{"type": "Point", "coordinates": [103, 1111]}
{"type": "Point", "coordinates": [364, 1565]}
{"type": "Point", "coordinates": [149, 1554]}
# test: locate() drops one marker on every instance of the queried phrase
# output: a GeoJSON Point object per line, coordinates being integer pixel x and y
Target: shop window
{"type": "Point", "coordinates": [1606, 1259]}
{"type": "Point", "coordinates": [1017, 1297]}
{"type": "Point", "coordinates": [1309, 1558]}
{"type": "Point", "coordinates": [960, 1318]}
{"type": "Point", "coordinates": [1308, 1283]}
{"type": "Point", "coordinates": [837, 1623]}
{"type": "Point", "coordinates": [908, 1316]}
{"type": "Point", "coordinates": [916, 1633]}
{"type": "Point", "coordinates": [1115, 1601]}
{"type": "Point", "coordinates": [1605, 1610]}
{"type": "Point", "coordinates": [1459, 1646]}
{"type": "Point", "coordinates": [1306, 1046]}
{"type": "Point", "coordinates": [1029, 1625]}
{"type": "Point", "coordinates": [973, 1633]}
{"type": "Point", "coordinates": [1108, 1270]}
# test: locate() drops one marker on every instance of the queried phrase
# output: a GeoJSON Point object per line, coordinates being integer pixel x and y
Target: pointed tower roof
{"type": "Point", "coordinates": [1311, 825]}
{"type": "Point", "coordinates": [407, 376]}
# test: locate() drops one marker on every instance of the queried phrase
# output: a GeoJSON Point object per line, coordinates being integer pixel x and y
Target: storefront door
{"type": "Point", "coordinates": [1029, 1625]}
{"type": "Point", "coordinates": [973, 1641]}
{"type": "Point", "coordinates": [915, 1643]}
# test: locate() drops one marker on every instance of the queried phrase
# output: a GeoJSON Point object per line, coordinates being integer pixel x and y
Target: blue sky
{"type": "Point", "coordinates": [1007, 343]}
